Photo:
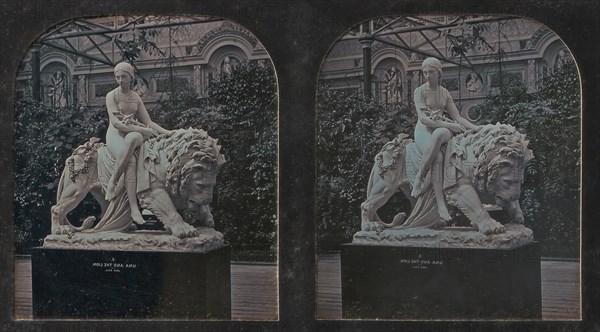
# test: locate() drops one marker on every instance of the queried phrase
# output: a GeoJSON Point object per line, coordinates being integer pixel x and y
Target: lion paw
{"type": "Point", "coordinates": [183, 230]}
{"type": "Point", "coordinates": [490, 227]}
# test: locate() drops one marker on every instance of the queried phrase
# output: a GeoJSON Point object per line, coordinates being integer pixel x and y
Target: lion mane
{"type": "Point", "coordinates": [187, 150]}
{"type": "Point", "coordinates": [494, 147]}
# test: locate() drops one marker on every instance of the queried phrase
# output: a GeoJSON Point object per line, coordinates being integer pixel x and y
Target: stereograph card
{"type": "Point", "coordinates": [299, 165]}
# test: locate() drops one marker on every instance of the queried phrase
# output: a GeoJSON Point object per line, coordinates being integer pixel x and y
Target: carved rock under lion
{"type": "Point", "coordinates": [208, 239]}
{"type": "Point", "coordinates": [515, 236]}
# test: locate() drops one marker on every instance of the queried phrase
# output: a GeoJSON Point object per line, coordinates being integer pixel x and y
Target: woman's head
{"type": "Point", "coordinates": [124, 72]}
{"type": "Point", "coordinates": [432, 66]}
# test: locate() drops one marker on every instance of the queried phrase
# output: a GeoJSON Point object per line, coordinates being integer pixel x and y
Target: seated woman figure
{"type": "Point", "coordinates": [438, 121]}
{"type": "Point", "coordinates": [129, 126]}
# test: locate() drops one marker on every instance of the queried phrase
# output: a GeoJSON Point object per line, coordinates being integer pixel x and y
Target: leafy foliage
{"type": "Point", "coordinates": [46, 136]}
{"type": "Point", "coordinates": [469, 38]}
{"type": "Point", "coordinates": [551, 119]}
{"type": "Point", "coordinates": [240, 111]}
{"type": "Point", "coordinates": [352, 129]}
{"type": "Point", "coordinates": [132, 44]}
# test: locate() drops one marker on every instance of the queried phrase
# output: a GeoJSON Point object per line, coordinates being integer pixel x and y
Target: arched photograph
{"type": "Point", "coordinates": [146, 171]}
{"type": "Point", "coordinates": [448, 171]}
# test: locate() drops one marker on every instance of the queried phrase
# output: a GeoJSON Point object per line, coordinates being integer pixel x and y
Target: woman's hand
{"type": "Point", "coordinates": [456, 128]}
{"type": "Point", "coordinates": [148, 133]}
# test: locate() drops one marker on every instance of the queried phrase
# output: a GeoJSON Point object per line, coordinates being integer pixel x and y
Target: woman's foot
{"type": "Point", "coordinates": [110, 190]}
{"type": "Point", "coordinates": [136, 215]}
{"type": "Point", "coordinates": [443, 212]}
{"type": "Point", "coordinates": [416, 191]}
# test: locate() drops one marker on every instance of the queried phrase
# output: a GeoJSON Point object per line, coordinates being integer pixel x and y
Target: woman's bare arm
{"type": "Point", "coordinates": [144, 117]}
{"type": "Point", "coordinates": [424, 118]}
{"type": "Point", "coordinates": [121, 126]}
{"type": "Point", "coordinates": [455, 115]}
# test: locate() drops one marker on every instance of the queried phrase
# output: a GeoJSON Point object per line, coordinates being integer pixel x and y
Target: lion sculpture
{"type": "Point", "coordinates": [175, 170]}
{"type": "Point", "coordinates": [484, 165]}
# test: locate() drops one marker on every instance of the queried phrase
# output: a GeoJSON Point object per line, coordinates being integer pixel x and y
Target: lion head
{"type": "Point", "coordinates": [193, 159]}
{"type": "Point", "coordinates": [500, 152]}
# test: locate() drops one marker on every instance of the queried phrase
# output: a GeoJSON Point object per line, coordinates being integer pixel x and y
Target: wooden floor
{"type": "Point", "coordinates": [253, 291]}
{"type": "Point", "coordinates": [561, 296]}
{"type": "Point", "coordinates": [560, 289]}
{"type": "Point", "coordinates": [23, 288]}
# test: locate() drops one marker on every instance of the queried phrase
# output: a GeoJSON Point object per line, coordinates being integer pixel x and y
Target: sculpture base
{"type": "Point", "coordinates": [394, 282]}
{"type": "Point", "coordinates": [69, 283]}
{"type": "Point", "coordinates": [516, 235]}
{"type": "Point", "coordinates": [146, 240]}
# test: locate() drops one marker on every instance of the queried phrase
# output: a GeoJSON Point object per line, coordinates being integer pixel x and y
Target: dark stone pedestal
{"type": "Point", "coordinates": [391, 282]}
{"type": "Point", "coordinates": [131, 284]}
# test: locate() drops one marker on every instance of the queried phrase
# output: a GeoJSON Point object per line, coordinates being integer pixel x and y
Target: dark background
{"type": "Point", "coordinates": [297, 34]}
